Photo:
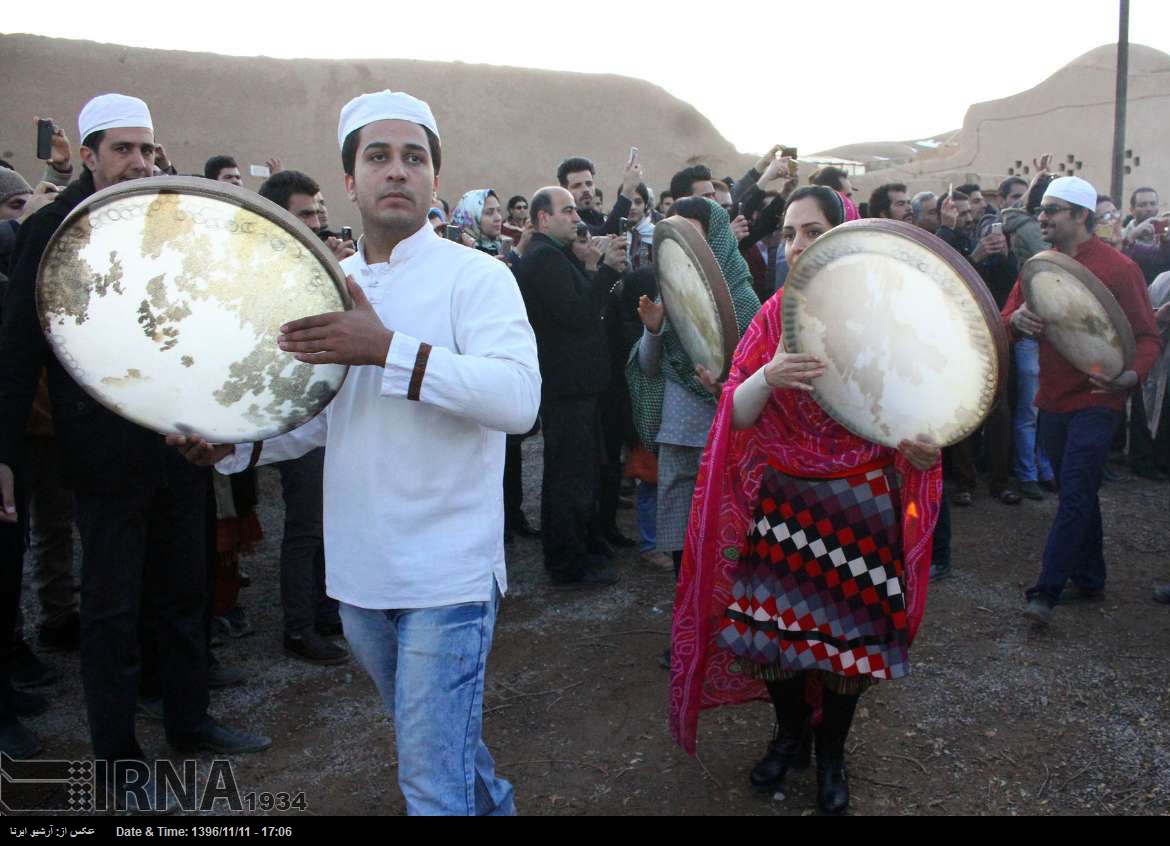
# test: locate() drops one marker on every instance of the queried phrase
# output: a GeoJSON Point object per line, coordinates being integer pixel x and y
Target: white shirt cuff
{"type": "Point", "coordinates": [237, 461]}
{"type": "Point", "coordinates": [405, 369]}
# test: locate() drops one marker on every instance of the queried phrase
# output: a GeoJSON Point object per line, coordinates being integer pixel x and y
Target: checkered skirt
{"type": "Point", "coordinates": [820, 581]}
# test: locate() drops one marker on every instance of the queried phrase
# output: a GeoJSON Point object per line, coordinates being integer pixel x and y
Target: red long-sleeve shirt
{"type": "Point", "coordinates": [1063, 388]}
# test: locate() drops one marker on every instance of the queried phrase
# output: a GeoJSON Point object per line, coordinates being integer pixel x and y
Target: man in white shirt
{"type": "Point", "coordinates": [443, 364]}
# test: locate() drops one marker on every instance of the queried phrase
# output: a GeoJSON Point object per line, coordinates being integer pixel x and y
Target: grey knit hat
{"type": "Point", "coordinates": [11, 184]}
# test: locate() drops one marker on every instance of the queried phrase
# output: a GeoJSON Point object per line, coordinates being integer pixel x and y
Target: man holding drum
{"type": "Point", "coordinates": [1079, 412]}
{"type": "Point", "coordinates": [443, 363]}
{"type": "Point", "coordinates": [140, 509]}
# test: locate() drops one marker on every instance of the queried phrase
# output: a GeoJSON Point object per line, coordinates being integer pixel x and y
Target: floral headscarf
{"type": "Point", "coordinates": [468, 214]}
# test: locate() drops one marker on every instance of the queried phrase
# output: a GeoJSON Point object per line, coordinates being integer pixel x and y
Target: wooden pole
{"type": "Point", "coordinates": [1117, 185]}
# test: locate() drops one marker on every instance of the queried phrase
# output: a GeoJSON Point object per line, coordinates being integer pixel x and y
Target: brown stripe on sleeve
{"type": "Point", "coordinates": [420, 368]}
{"type": "Point", "coordinates": [257, 448]}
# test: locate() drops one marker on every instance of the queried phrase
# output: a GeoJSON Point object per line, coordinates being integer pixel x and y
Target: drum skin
{"type": "Point", "coordinates": [163, 299]}
{"type": "Point", "coordinates": [1082, 318]}
{"type": "Point", "coordinates": [910, 335]}
{"type": "Point", "coordinates": [695, 295]}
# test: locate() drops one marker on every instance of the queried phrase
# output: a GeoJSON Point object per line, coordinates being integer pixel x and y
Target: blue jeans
{"type": "Point", "coordinates": [1079, 444]}
{"type": "Point", "coordinates": [646, 501]}
{"type": "Point", "coordinates": [1031, 460]}
{"type": "Point", "coordinates": [428, 665]}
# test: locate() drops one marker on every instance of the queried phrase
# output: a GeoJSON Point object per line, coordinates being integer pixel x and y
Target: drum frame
{"type": "Point", "coordinates": [699, 251]}
{"type": "Point", "coordinates": [1094, 286]}
{"type": "Point", "coordinates": [948, 254]}
{"type": "Point", "coordinates": [183, 186]}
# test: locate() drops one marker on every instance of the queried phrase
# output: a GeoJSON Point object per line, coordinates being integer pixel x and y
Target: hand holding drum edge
{"type": "Point", "coordinates": [1126, 381]}
{"type": "Point", "coordinates": [709, 380]}
{"type": "Point", "coordinates": [353, 337]}
{"type": "Point", "coordinates": [198, 451]}
{"type": "Point", "coordinates": [7, 495]}
{"type": "Point", "coordinates": [1027, 323]}
{"type": "Point", "coordinates": [922, 453]}
{"type": "Point", "coordinates": [652, 314]}
{"type": "Point", "coordinates": [793, 370]}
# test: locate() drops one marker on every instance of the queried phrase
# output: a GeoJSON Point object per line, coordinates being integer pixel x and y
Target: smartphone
{"type": "Point", "coordinates": [1160, 226]}
{"type": "Point", "coordinates": [1104, 229]}
{"type": "Point", "coordinates": [346, 233]}
{"type": "Point", "coordinates": [788, 152]}
{"type": "Point", "coordinates": [582, 232]}
{"type": "Point", "coordinates": [44, 139]}
{"type": "Point", "coordinates": [996, 229]}
{"type": "Point", "coordinates": [633, 157]}
{"type": "Point", "coordinates": [454, 233]}
{"type": "Point", "coordinates": [624, 226]}
{"type": "Point", "coordinates": [263, 171]}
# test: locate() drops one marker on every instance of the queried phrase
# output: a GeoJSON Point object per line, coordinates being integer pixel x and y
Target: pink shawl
{"type": "Point", "coordinates": [796, 435]}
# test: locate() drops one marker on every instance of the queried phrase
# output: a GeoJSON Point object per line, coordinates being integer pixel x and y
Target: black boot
{"type": "Point", "coordinates": [791, 748]}
{"type": "Point", "coordinates": [832, 779]}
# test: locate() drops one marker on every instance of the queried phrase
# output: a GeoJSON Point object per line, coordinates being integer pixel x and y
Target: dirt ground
{"type": "Point", "coordinates": [995, 718]}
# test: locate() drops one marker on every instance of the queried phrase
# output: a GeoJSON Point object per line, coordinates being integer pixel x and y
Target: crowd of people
{"type": "Point", "coordinates": [539, 313]}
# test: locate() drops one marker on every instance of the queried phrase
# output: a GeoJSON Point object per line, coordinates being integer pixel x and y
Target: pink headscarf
{"type": "Point", "coordinates": [796, 435]}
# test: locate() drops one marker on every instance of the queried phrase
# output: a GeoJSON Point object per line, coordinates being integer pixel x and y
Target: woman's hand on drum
{"type": "Point", "coordinates": [708, 380]}
{"type": "Point", "coordinates": [653, 314]}
{"type": "Point", "coordinates": [1027, 323]}
{"type": "Point", "coordinates": [198, 451]}
{"type": "Point", "coordinates": [922, 453]}
{"type": "Point", "coordinates": [1125, 382]}
{"type": "Point", "coordinates": [792, 370]}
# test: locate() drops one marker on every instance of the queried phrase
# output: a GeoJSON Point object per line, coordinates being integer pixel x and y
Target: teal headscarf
{"type": "Point", "coordinates": [468, 213]}
{"type": "Point", "coordinates": [646, 392]}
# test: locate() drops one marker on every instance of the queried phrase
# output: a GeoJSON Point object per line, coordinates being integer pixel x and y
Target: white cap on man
{"type": "Point", "coordinates": [112, 111]}
{"type": "Point", "coordinates": [383, 105]}
{"type": "Point", "coordinates": [1073, 189]}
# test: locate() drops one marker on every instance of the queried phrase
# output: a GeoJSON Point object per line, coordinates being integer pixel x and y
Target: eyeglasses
{"type": "Point", "coordinates": [1053, 211]}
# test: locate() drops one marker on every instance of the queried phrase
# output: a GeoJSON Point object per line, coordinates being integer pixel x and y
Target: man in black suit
{"type": "Point", "coordinates": [565, 298]}
{"type": "Point", "coordinates": [140, 506]}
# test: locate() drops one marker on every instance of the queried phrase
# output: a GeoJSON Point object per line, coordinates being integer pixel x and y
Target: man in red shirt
{"type": "Point", "coordinates": [1079, 413]}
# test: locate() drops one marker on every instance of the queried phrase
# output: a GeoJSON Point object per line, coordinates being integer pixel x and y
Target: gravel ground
{"type": "Point", "coordinates": [996, 717]}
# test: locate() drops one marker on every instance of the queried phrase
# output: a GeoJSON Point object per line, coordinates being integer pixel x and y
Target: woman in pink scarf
{"type": "Point", "coordinates": [807, 553]}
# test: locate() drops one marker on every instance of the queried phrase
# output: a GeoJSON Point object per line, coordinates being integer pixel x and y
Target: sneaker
{"type": "Point", "coordinates": [1006, 497]}
{"type": "Point", "coordinates": [938, 572]}
{"type": "Point", "coordinates": [1077, 595]}
{"type": "Point", "coordinates": [962, 499]}
{"type": "Point", "coordinates": [64, 637]}
{"type": "Point", "coordinates": [595, 572]}
{"type": "Point", "coordinates": [1049, 485]}
{"type": "Point", "coordinates": [16, 741]}
{"type": "Point", "coordinates": [235, 623]}
{"type": "Point", "coordinates": [245, 579]}
{"type": "Point", "coordinates": [1031, 490]}
{"type": "Point", "coordinates": [314, 649]}
{"type": "Point", "coordinates": [1038, 612]}
{"type": "Point", "coordinates": [27, 670]}
{"type": "Point", "coordinates": [218, 738]}
{"type": "Point", "coordinates": [657, 561]}
{"type": "Point", "coordinates": [1162, 594]}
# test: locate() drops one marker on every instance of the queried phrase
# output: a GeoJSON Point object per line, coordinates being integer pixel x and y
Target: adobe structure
{"type": "Point", "coordinates": [254, 107]}
{"type": "Point", "coordinates": [1070, 115]}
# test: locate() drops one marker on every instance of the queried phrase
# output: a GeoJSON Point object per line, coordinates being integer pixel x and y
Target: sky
{"type": "Point", "coordinates": [813, 75]}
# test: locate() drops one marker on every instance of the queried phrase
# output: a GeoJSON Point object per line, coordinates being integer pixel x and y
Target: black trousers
{"type": "Point", "coordinates": [568, 510]}
{"type": "Point", "coordinates": [614, 408]}
{"type": "Point", "coordinates": [302, 549]}
{"type": "Point", "coordinates": [12, 543]}
{"type": "Point", "coordinates": [144, 541]}
{"type": "Point", "coordinates": [1148, 453]}
{"type": "Point", "coordinates": [513, 480]}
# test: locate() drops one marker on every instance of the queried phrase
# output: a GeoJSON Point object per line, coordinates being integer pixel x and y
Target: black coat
{"type": "Point", "coordinates": [565, 307]}
{"type": "Point", "coordinates": [100, 451]}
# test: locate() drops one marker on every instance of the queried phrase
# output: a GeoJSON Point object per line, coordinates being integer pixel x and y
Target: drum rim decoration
{"type": "Point", "coordinates": [1094, 286]}
{"type": "Point", "coordinates": [946, 254]}
{"type": "Point", "coordinates": [187, 186]}
{"type": "Point", "coordinates": [697, 248]}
